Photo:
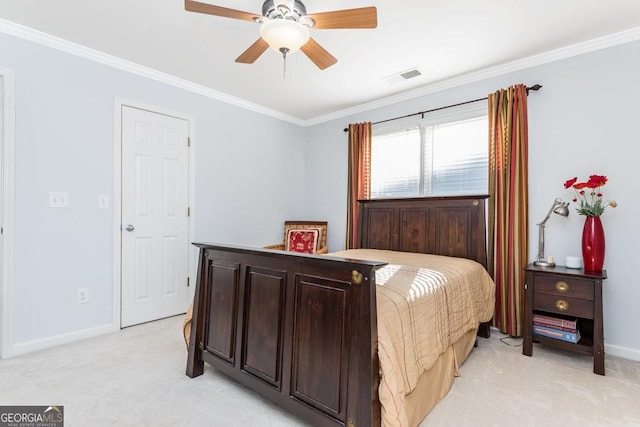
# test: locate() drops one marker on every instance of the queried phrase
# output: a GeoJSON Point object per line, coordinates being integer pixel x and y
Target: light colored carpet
{"type": "Point", "coordinates": [136, 377]}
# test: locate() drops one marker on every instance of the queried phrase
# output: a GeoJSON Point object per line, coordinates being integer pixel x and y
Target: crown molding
{"type": "Point", "coordinates": [44, 39]}
{"type": "Point", "coordinates": [54, 42]}
{"type": "Point", "coordinates": [577, 49]}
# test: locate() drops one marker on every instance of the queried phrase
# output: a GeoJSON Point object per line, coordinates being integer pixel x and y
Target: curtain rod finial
{"type": "Point", "coordinates": [535, 87]}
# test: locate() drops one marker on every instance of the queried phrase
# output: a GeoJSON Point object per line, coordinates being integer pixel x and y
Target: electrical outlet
{"type": "Point", "coordinates": [103, 201]}
{"type": "Point", "coordinates": [82, 296]}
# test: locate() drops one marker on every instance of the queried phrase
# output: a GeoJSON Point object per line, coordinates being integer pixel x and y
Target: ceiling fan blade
{"type": "Point", "coordinates": [318, 54]}
{"type": "Point", "coordinates": [209, 9]}
{"type": "Point", "coordinates": [250, 55]}
{"type": "Point", "coordinates": [364, 17]}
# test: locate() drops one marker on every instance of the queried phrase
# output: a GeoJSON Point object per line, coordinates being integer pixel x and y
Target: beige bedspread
{"type": "Point", "coordinates": [425, 303]}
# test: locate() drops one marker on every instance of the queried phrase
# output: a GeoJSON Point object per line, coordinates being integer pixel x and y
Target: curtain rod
{"type": "Point", "coordinates": [535, 87]}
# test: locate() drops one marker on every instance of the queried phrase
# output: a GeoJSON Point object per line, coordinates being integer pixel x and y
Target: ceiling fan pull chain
{"type": "Point", "coordinates": [284, 51]}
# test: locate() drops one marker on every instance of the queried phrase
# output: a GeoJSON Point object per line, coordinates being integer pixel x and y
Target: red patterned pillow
{"type": "Point", "coordinates": [302, 240]}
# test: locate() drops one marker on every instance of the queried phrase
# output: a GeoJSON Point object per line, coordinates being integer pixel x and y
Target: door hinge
{"type": "Point", "coordinates": [188, 211]}
{"type": "Point", "coordinates": [188, 141]}
{"type": "Point", "coordinates": [188, 282]}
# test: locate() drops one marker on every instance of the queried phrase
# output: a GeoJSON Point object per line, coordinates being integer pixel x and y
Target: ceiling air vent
{"type": "Point", "coordinates": [402, 76]}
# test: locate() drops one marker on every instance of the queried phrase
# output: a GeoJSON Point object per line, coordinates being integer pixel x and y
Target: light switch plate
{"type": "Point", "coordinates": [58, 199]}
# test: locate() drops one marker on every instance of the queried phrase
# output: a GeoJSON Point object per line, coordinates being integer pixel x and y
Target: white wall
{"type": "Point", "coordinates": [64, 142]}
{"type": "Point", "coordinates": [582, 122]}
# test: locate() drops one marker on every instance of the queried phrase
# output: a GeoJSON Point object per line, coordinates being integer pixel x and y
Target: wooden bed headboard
{"type": "Point", "coordinates": [451, 226]}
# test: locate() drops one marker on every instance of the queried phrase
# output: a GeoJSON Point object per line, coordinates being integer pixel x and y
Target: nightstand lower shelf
{"type": "Point", "coordinates": [585, 345]}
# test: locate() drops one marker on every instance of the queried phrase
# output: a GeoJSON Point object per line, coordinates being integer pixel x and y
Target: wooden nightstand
{"type": "Point", "coordinates": [566, 293]}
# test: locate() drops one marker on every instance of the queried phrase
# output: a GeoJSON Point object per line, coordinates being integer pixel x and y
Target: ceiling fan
{"type": "Point", "coordinates": [285, 24]}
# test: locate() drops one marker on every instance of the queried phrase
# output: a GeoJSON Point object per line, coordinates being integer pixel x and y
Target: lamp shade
{"type": "Point", "coordinates": [562, 210]}
{"type": "Point", "coordinates": [284, 34]}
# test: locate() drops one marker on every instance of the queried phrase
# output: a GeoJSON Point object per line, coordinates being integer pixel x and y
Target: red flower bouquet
{"type": "Point", "coordinates": [588, 195]}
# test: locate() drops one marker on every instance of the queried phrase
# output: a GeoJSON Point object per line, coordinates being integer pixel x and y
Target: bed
{"type": "Point", "coordinates": [365, 337]}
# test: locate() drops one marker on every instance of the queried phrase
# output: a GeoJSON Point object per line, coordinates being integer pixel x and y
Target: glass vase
{"type": "Point", "coordinates": [593, 244]}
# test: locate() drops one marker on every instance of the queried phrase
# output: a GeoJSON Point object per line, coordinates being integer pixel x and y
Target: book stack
{"type": "Point", "coordinates": [556, 327]}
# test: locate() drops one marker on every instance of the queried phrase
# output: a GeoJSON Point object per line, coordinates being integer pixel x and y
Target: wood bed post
{"type": "Point", "coordinates": [364, 377]}
{"type": "Point", "coordinates": [195, 364]}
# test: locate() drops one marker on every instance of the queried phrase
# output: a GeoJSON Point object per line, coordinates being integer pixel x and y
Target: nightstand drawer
{"type": "Point", "coordinates": [563, 305]}
{"type": "Point", "coordinates": [564, 287]}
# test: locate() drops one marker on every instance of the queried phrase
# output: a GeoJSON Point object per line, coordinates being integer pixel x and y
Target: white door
{"type": "Point", "coordinates": [155, 222]}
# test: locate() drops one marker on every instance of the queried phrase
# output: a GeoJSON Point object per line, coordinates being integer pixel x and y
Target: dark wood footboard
{"type": "Point", "coordinates": [300, 330]}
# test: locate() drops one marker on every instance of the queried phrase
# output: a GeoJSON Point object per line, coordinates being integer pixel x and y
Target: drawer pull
{"type": "Point", "coordinates": [562, 305]}
{"type": "Point", "coordinates": [562, 286]}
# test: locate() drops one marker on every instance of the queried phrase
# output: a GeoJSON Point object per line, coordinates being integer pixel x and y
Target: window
{"type": "Point", "coordinates": [443, 155]}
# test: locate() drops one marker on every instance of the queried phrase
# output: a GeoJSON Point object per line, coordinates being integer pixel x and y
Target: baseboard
{"type": "Point", "coordinates": [624, 352]}
{"type": "Point", "coordinates": [40, 344]}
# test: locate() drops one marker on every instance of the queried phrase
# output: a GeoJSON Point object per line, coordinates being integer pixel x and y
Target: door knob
{"type": "Point", "coordinates": [129, 227]}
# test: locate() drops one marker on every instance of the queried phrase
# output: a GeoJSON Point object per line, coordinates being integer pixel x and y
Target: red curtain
{"type": "Point", "coordinates": [508, 204]}
{"type": "Point", "coordinates": [359, 176]}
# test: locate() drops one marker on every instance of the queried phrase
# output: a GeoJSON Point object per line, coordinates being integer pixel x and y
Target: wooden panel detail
{"type": "Point", "coordinates": [380, 232]}
{"type": "Point", "coordinates": [142, 262]}
{"type": "Point", "coordinates": [170, 268]}
{"type": "Point", "coordinates": [223, 281]}
{"type": "Point", "coordinates": [453, 226]}
{"type": "Point", "coordinates": [413, 230]}
{"type": "Point", "coordinates": [263, 323]}
{"type": "Point", "coordinates": [452, 232]}
{"type": "Point", "coordinates": [320, 357]}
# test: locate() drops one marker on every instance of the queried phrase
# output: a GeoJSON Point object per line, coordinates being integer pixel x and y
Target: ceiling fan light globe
{"type": "Point", "coordinates": [284, 33]}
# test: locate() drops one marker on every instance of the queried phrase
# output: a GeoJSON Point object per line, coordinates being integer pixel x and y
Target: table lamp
{"type": "Point", "coordinates": [558, 207]}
